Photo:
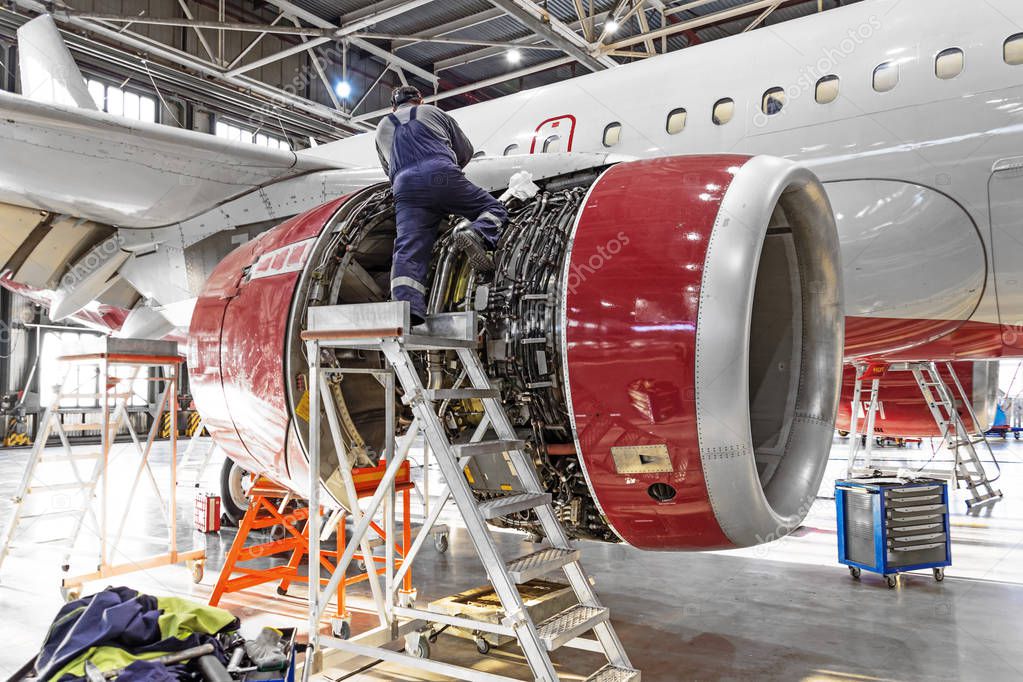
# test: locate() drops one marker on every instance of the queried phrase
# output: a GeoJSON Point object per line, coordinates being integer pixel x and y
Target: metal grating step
{"type": "Point", "coordinates": [461, 393]}
{"type": "Point", "coordinates": [569, 624]}
{"type": "Point", "coordinates": [540, 563]}
{"type": "Point", "coordinates": [501, 506]}
{"type": "Point", "coordinates": [612, 673]}
{"type": "Point", "coordinates": [487, 447]}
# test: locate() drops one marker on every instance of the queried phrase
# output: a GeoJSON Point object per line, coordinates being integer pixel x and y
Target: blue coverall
{"type": "Point", "coordinates": [428, 185]}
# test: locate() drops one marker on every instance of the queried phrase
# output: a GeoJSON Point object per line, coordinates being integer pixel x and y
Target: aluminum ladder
{"type": "Point", "coordinates": [385, 327]}
{"type": "Point", "coordinates": [969, 469]}
{"type": "Point", "coordinates": [941, 401]}
{"type": "Point", "coordinates": [83, 486]}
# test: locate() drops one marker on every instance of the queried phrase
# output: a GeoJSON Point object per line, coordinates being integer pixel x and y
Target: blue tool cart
{"type": "Point", "coordinates": [889, 526]}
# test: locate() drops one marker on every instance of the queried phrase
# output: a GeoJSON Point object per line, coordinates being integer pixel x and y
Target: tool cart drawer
{"type": "Point", "coordinates": [889, 526]}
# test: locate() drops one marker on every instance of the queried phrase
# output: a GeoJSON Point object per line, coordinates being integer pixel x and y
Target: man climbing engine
{"type": "Point", "coordinates": [423, 151]}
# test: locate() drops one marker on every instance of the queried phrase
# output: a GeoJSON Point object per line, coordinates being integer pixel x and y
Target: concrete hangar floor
{"type": "Point", "coordinates": [783, 611]}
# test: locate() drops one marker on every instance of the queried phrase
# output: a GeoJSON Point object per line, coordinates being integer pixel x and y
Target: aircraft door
{"type": "Point", "coordinates": [554, 135]}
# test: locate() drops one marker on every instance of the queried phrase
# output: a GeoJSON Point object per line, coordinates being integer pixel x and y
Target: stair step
{"type": "Point", "coordinates": [501, 506]}
{"type": "Point", "coordinates": [569, 624]}
{"type": "Point", "coordinates": [58, 486]}
{"type": "Point", "coordinates": [540, 563]}
{"type": "Point", "coordinates": [613, 673]}
{"type": "Point", "coordinates": [487, 447]}
{"type": "Point", "coordinates": [425, 342]}
{"type": "Point", "coordinates": [461, 393]}
{"type": "Point", "coordinates": [77, 457]}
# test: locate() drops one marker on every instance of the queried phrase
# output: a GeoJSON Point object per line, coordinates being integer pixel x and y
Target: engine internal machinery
{"type": "Point", "coordinates": [666, 334]}
{"type": "Point", "coordinates": [519, 315]}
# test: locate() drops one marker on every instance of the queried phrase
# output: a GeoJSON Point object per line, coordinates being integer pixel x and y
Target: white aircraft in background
{"type": "Point", "coordinates": [909, 111]}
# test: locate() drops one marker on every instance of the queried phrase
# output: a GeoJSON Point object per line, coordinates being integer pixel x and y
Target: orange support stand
{"type": "Point", "coordinates": [263, 513]}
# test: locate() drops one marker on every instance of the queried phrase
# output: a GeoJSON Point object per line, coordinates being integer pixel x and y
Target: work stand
{"type": "Point", "coordinates": [941, 399]}
{"type": "Point", "coordinates": [270, 507]}
{"type": "Point", "coordinates": [55, 482]}
{"type": "Point", "coordinates": [384, 327]}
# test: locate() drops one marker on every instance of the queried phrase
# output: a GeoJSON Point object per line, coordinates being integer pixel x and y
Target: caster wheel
{"type": "Point", "coordinates": [892, 580]}
{"type": "Point", "coordinates": [197, 572]}
{"type": "Point", "coordinates": [939, 574]}
{"type": "Point", "coordinates": [440, 543]}
{"type": "Point", "coordinates": [278, 533]}
{"type": "Point", "coordinates": [855, 572]}
{"type": "Point", "coordinates": [71, 594]}
{"type": "Point", "coordinates": [422, 649]}
{"type": "Point", "coordinates": [341, 630]}
{"type": "Point", "coordinates": [65, 567]}
{"type": "Point", "coordinates": [360, 566]}
{"type": "Point", "coordinates": [281, 591]}
{"type": "Point", "coordinates": [482, 646]}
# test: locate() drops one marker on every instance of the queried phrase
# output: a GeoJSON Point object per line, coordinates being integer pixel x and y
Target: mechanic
{"type": "Point", "coordinates": [423, 151]}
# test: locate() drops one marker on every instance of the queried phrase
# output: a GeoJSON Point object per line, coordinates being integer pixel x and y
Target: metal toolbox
{"type": "Point", "coordinates": [890, 526]}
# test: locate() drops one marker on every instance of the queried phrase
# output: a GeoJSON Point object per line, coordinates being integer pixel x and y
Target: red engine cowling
{"type": "Point", "coordinates": [695, 336]}
{"type": "Point", "coordinates": [901, 407]}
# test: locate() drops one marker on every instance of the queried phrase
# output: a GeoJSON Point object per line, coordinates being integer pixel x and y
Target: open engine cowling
{"type": "Point", "coordinates": [667, 335]}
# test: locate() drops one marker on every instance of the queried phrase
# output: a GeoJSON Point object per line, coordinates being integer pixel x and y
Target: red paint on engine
{"type": "Point", "coordinates": [633, 292]}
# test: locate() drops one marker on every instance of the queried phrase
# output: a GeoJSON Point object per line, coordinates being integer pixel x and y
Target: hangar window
{"type": "Point", "coordinates": [612, 134]}
{"type": "Point", "coordinates": [724, 110]}
{"type": "Point", "coordinates": [552, 144]}
{"type": "Point", "coordinates": [676, 122]}
{"type": "Point", "coordinates": [511, 149]}
{"type": "Point", "coordinates": [237, 134]}
{"type": "Point", "coordinates": [827, 89]}
{"type": "Point", "coordinates": [773, 101]}
{"type": "Point", "coordinates": [949, 63]}
{"type": "Point", "coordinates": [1013, 53]}
{"type": "Point", "coordinates": [886, 77]}
{"type": "Point", "coordinates": [120, 102]}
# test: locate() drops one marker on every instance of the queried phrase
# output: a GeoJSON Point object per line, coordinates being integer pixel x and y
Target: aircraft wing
{"type": "Point", "coordinates": [112, 170]}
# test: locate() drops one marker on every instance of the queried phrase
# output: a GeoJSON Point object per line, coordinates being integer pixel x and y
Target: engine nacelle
{"type": "Point", "coordinates": [901, 407]}
{"type": "Point", "coordinates": [667, 335]}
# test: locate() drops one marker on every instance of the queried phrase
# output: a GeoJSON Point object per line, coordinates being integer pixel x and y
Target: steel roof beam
{"type": "Point", "coordinates": [389, 58]}
{"type": "Point", "coordinates": [555, 32]}
{"type": "Point", "coordinates": [697, 22]}
{"type": "Point", "coordinates": [525, 43]}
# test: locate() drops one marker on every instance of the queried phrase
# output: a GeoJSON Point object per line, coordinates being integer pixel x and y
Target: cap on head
{"type": "Point", "coordinates": [405, 93]}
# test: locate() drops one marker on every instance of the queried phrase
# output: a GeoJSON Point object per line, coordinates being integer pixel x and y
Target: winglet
{"type": "Point", "coordinates": [48, 73]}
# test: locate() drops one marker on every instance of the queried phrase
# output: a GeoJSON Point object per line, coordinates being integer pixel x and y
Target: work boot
{"type": "Point", "coordinates": [475, 249]}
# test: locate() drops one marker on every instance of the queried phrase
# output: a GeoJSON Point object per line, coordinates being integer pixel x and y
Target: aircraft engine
{"type": "Point", "coordinates": [667, 335]}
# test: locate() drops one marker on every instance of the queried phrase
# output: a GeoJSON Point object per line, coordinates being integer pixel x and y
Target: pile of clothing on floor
{"type": "Point", "coordinates": [124, 635]}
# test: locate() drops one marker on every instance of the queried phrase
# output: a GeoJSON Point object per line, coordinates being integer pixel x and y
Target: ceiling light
{"type": "Point", "coordinates": [610, 26]}
{"type": "Point", "coordinates": [343, 89]}
{"type": "Point", "coordinates": [514, 56]}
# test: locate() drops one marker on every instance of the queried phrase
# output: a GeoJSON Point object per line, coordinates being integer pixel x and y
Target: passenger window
{"type": "Point", "coordinates": [676, 122]}
{"type": "Point", "coordinates": [1013, 53]}
{"type": "Point", "coordinates": [551, 144]}
{"type": "Point", "coordinates": [773, 101]}
{"type": "Point", "coordinates": [827, 89]}
{"type": "Point", "coordinates": [886, 77]}
{"type": "Point", "coordinates": [724, 110]}
{"type": "Point", "coordinates": [612, 134]}
{"type": "Point", "coordinates": [479, 154]}
{"type": "Point", "coordinates": [949, 63]}
{"type": "Point", "coordinates": [511, 149]}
